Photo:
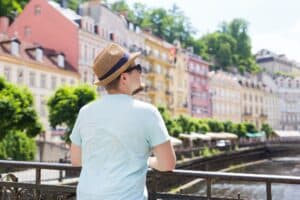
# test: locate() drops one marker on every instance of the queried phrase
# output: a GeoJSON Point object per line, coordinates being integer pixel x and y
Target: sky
{"type": "Point", "coordinates": [273, 24]}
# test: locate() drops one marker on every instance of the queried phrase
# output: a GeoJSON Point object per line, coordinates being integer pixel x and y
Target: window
{"type": "Point", "coordinates": [43, 81]}
{"type": "Point", "coordinates": [20, 76]}
{"type": "Point", "coordinates": [61, 61]}
{"type": "Point", "coordinates": [31, 79]}
{"type": "Point", "coordinates": [15, 48]}
{"type": "Point", "coordinates": [85, 77]}
{"type": "Point", "coordinates": [85, 53]}
{"type": "Point", "coordinates": [72, 82]}
{"type": "Point", "coordinates": [7, 73]}
{"type": "Point", "coordinates": [63, 81]}
{"type": "Point", "coordinates": [39, 54]}
{"type": "Point", "coordinates": [27, 31]}
{"type": "Point", "coordinates": [42, 106]}
{"type": "Point", "coordinates": [37, 10]}
{"type": "Point", "coordinates": [53, 82]}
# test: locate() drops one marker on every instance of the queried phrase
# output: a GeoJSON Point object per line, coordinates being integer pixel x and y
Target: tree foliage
{"type": "Point", "coordinates": [11, 8]}
{"type": "Point", "coordinates": [17, 145]}
{"type": "Point", "coordinates": [267, 129]}
{"type": "Point", "coordinates": [17, 110]}
{"type": "Point", "coordinates": [65, 104]}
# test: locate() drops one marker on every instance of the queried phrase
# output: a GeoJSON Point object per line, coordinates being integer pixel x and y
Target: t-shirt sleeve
{"type": "Point", "coordinates": [157, 132]}
{"type": "Point", "coordinates": [75, 135]}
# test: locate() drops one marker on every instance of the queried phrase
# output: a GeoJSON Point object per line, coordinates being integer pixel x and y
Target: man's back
{"type": "Point", "coordinates": [116, 134]}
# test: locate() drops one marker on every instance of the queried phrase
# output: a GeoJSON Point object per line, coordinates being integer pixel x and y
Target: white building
{"type": "Point", "coordinates": [41, 70]}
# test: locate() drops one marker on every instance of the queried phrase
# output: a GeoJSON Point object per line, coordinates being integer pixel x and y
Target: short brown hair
{"type": "Point", "coordinates": [113, 85]}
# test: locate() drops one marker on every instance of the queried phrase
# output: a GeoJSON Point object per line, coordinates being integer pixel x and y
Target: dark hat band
{"type": "Point", "coordinates": [117, 66]}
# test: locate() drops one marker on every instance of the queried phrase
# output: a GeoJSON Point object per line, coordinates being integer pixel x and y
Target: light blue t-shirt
{"type": "Point", "coordinates": [116, 134]}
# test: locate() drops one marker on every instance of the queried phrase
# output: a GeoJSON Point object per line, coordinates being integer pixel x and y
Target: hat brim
{"type": "Point", "coordinates": [114, 75]}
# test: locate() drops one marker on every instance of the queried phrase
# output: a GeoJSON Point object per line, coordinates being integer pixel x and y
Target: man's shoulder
{"type": "Point", "coordinates": [144, 105]}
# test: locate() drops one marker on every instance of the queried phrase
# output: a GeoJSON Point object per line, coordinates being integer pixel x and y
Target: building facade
{"type": "Point", "coordinates": [274, 63]}
{"type": "Point", "coordinates": [226, 97]}
{"type": "Point", "coordinates": [159, 85]}
{"type": "Point", "coordinates": [199, 101]}
{"type": "Point", "coordinates": [289, 94]}
{"type": "Point", "coordinates": [42, 70]}
{"type": "Point", "coordinates": [180, 82]}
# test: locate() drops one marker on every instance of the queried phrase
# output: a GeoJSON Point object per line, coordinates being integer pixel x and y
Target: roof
{"type": "Point", "coordinates": [175, 141]}
{"type": "Point", "coordinates": [68, 13]}
{"type": "Point", "coordinates": [27, 53]}
{"type": "Point", "coordinates": [201, 136]}
{"type": "Point", "coordinates": [282, 133]}
{"type": "Point", "coordinates": [256, 135]}
{"type": "Point", "coordinates": [222, 136]}
{"type": "Point", "coordinates": [187, 136]}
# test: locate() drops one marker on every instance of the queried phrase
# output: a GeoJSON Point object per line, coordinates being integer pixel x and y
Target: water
{"type": "Point", "coordinates": [257, 191]}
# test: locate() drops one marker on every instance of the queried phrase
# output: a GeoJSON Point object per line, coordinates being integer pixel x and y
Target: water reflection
{"type": "Point", "coordinates": [256, 191]}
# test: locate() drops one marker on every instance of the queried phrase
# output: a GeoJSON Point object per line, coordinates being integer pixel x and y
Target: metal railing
{"type": "Point", "coordinates": [210, 177]}
{"type": "Point", "coordinates": [40, 187]}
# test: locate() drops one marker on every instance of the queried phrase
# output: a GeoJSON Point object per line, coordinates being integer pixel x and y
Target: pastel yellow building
{"type": "Point", "coordinates": [180, 86]}
{"type": "Point", "coordinates": [226, 97]}
{"type": "Point", "coordinates": [159, 71]}
{"type": "Point", "coordinates": [252, 104]}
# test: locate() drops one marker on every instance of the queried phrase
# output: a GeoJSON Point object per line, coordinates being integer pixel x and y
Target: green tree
{"type": "Point", "coordinates": [173, 127]}
{"type": "Point", "coordinates": [241, 130]}
{"type": "Point", "coordinates": [184, 123]}
{"type": "Point", "coordinates": [17, 110]}
{"type": "Point", "coordinates": [250, 127]}
{"type": "Point", "coordinates": [229, 127]}
{"type": "Point", "coordinates": [65, 104]}
{"type": "Point", "coordinates": [215, 126]}
{"type": "Point", "coordinates": [11, 8]}
{"type": "Point", "coordinates": [17, 145]}
{"type": "Point", "coordinates": [267, 129]}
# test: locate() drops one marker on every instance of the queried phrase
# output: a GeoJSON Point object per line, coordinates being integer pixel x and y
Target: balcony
{"type": "Point", "coordinates": [263, 116]}
{"type": "Point", "coordinates": [158, 58]}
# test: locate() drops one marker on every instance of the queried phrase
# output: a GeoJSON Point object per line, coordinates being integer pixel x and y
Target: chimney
{"type": "Point", "coordinates": [4, 24]}
{"type": "Point", "coordinates": [64, 3]}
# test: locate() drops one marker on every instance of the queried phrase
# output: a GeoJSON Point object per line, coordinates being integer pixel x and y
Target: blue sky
{"type": "Point", "coordinates": [273, 24]}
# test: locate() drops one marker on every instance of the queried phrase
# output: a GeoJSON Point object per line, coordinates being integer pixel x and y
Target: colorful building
{"type": "Point", "coordinates": [226, 96]}
{"type": "Point", "coordinates": [199, 100]}
{"type": "Point", "coordinates": [180, 82]}
{"type": "Point", "coordinates": [159, 69]}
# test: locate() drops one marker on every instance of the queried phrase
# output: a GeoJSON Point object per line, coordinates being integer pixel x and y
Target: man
{"type": "Point", "coordinates": [113, 136]}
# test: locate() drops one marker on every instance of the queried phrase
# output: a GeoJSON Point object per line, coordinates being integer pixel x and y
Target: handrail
{"type": "Point", "coordinates": [209, 176]}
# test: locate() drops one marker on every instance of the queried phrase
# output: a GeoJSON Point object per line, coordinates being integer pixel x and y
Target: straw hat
{"type": "Point", "coordinates": [111, 62]}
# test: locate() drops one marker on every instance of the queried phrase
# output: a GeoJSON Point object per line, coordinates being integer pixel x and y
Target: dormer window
{"type": "Point", "coordinates": [61, 60]}
{"type": "Point", "coordinates": [15, 48]}
{"type": "Point", "coordinates": [39, 54]}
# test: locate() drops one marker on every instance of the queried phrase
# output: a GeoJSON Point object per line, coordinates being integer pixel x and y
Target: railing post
{"type": "Point", "coordinates": [269, 190]}
{"type": "Point", "coordinates": [208, 188]}
{"type": "Point", "coordinates": [37, 182]}
{"type": "Point", "coordinates": [153, 186]}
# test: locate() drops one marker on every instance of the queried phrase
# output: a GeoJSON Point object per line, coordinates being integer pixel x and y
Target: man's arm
{"type": "Point", "coordinates": [164, 157]}
{"type": "Point", "coordinates": [75, 155]}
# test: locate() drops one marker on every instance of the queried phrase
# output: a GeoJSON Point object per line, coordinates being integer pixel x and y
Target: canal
{"type": "Point", "coordinates": [257, 191]}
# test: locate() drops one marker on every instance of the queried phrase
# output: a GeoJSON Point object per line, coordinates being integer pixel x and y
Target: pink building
{"type": "Point", "coordinates": [41, 23]}
{"type": "Point", "coordinates": [199, 99]}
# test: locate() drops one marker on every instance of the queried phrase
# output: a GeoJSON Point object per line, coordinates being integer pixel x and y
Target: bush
{"type": "Point", "coordinates": [17, 145]}
{"type": "Point", "coordinates": [250, 127]}
{"type": "Point", "coordinates": [215, 126]}
{"type": "Point", "coordinates": [267, 129]}
{"type": "Point", "coordinates": [241, 130]}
